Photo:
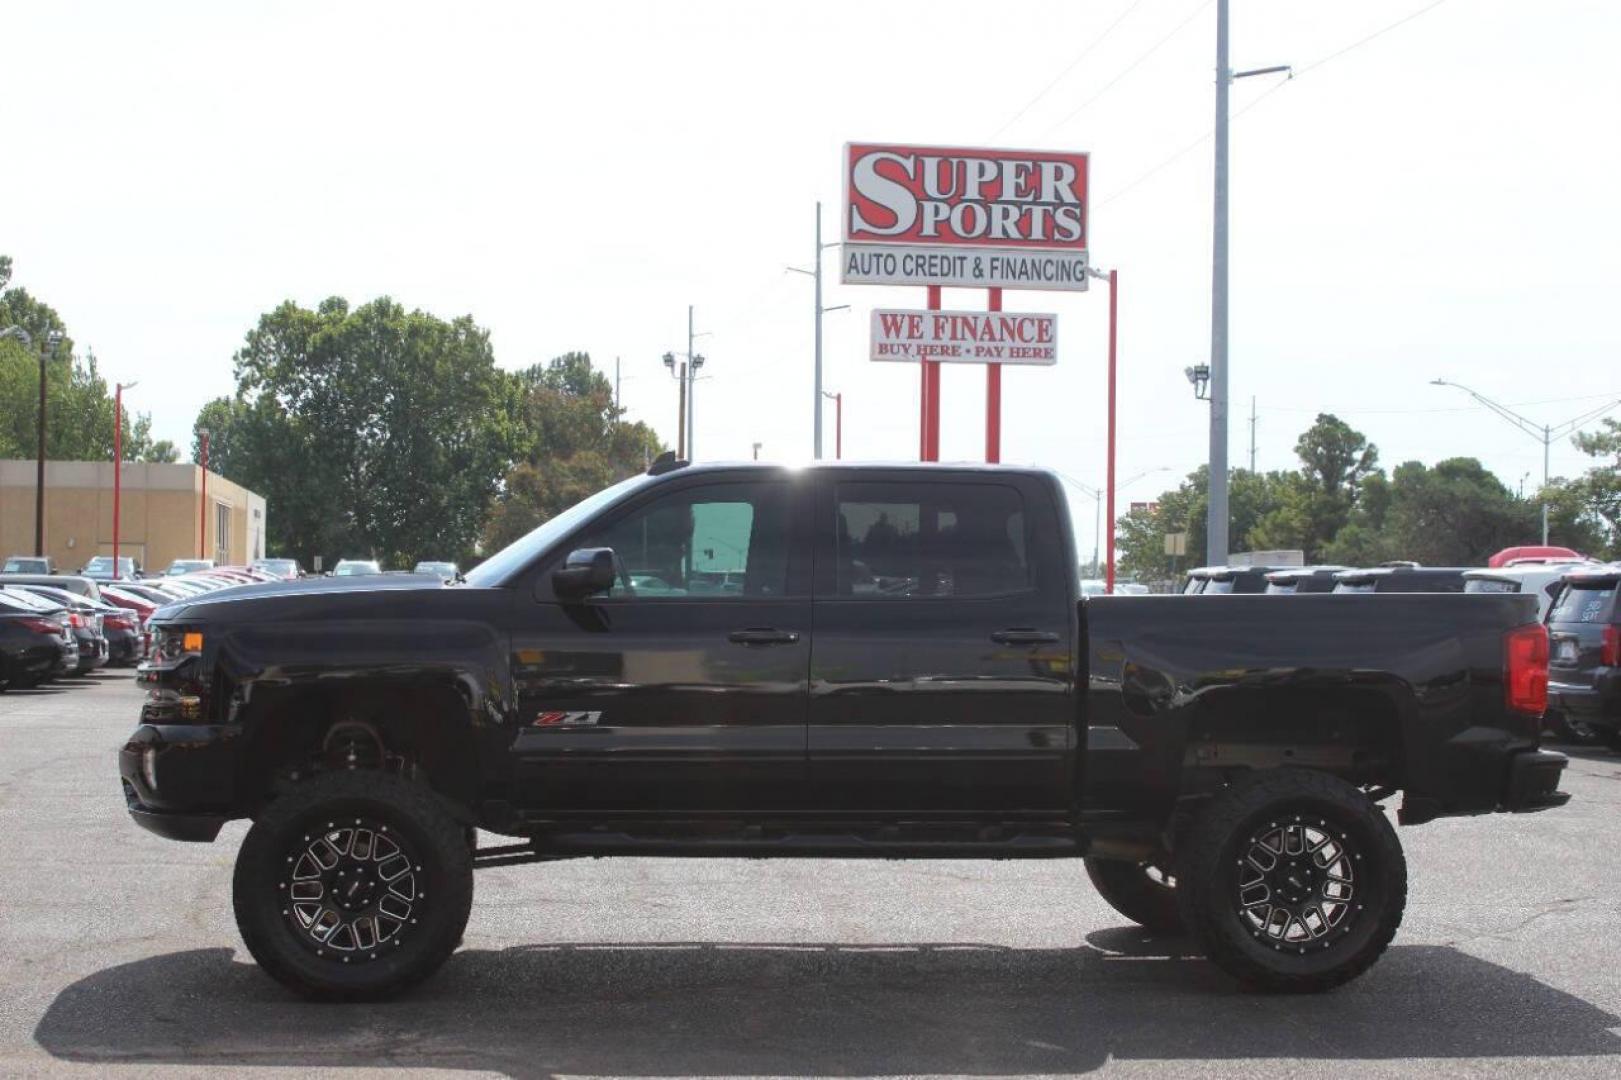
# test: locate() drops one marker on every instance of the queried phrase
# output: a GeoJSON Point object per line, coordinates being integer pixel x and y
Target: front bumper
{"type": "Point", "coordinates": [178, 779]}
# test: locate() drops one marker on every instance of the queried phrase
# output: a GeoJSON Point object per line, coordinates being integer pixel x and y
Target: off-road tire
{"type": "Point", "coordinates": [441, 890]}
{"type": "Point", "coordinates": [1215, 856]}
{"type": "Point", "coordinates": [1128, 888]}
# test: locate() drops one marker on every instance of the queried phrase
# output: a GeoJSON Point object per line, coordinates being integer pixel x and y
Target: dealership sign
{"type": "Point", "coordinates": [1013, 219]}
{"type": "Point", "coordinates": [976, 337]}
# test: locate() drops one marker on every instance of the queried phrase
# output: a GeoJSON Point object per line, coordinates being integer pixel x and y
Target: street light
{"type": "Point", "coordinates": [118, 461]}
{"type": "Point", "coordinates": [1097, 496]}
{"type": "Point", "coordinates": [47, 348]}
{"type": "Point", "coordinates": [1543, 433]}
{"type": "Point", "coordinates": [202, 510]}
{"type": "Point", "coordinates": [819, 311]}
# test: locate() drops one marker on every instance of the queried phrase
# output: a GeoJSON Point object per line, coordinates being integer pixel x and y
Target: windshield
{"type": "Point", "coordinates": [1490, 585]}
{"type": "Point", "coordinates": [500, 568]}
{"type": "Point", "coordinates": [25, 566]}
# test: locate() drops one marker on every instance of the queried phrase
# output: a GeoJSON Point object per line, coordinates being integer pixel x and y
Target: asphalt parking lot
{"type": "Point", "coordinates": [118, 956]}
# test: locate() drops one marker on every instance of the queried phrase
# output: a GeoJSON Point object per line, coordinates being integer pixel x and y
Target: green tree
{"type": "Point", "coordinates": [374, 431]}
{"type": "Point", "coordinates": [1454, 514]}
{"type": "Point", "coordinates": [1317, 502]}
{"type": "Point", "coordinates": [1140, 539]}
{"type": "Point", "coordinates": [572, 441]}
{"type": "Point", "coordinates": [1597, 493]}
{"type": "Point", "coordinates": [78, 402]}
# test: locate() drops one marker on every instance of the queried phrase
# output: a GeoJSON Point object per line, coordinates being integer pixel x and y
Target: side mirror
{"type": "Point", "coordinates": [583, 573]}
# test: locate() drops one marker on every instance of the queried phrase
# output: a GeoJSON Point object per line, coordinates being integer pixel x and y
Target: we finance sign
{"type": "Point", "coordinates": [972, 337]}
{"type": "Point", "coordinates": [1012, 219]}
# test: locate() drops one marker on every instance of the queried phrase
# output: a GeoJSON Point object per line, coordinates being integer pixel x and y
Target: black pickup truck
{"type": "Point", "coordinates": [883, 661]}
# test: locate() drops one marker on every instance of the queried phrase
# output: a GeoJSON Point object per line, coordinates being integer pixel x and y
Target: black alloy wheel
{"type": "Point", "coordinates": [1292, 881]}
{"type": "Point", "coordinates": [355, 885]}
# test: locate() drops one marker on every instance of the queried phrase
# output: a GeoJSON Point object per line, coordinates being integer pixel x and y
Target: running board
{"type": "Point", "coordinates": [796, 845]}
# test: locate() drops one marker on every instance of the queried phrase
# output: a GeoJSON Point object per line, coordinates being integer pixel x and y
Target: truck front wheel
{"type": "Point", "coordinates": [353, 886]}
{"type": "Point", "coordinates": [1140, 891]}
{"type": "Point", "coordinates": [1293, 881]}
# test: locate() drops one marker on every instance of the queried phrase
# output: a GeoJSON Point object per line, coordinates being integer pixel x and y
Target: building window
{"type": "Point", "coordinates": [222, 533]}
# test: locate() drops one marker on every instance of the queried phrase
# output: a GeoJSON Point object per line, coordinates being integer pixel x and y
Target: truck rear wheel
{"type": "Point", "coordinates": [354, 886]}
{"type": "Point", "coordinates": [1140, 891]}
{"type": "Point", "coordinates": [1293, 881]}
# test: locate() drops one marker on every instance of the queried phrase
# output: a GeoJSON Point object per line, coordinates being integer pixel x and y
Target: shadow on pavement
{"type": "Point", "coordinates": [724, 1009]}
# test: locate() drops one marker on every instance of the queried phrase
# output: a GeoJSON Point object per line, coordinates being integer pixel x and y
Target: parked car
{"type": "Point", "coordinates": [1537, 578]}
{"type": "Point", "coordinates": [356, 568]}
{"type": "Point", "coordinates": [1584, 671]}
{"type": "Point", "coordinates": [100, 567]}
{"type": "Point", "coordinates": [286, 569]}
{"type": "Point", "coordinates": [84, 624]}
{"type": "Point", "coordinates": [1219, 763]}
{"type": "Point", "coordinates": [444, 571]}
{"type": "Point", "coordinates": [126, 644]}
{"type": "Point", "coordinates": [1219, 580]}
{"type": "Point", "coordinates": [35, 644]}
{"type": "Point", "coordinates": [1303, 579]}
{"type": "Point", "coordinates": [86, 587]}
{"type": "Point", "coordinates": [28, 564]}
{"type": "Point", "coordinates": [1534, 553]}
{"type": "Point", "coordinates": [1402, 579]}
{"type": "Point", "coordinates": [187, 566]}
{"type": "Point", "coordinates": [152, 590]}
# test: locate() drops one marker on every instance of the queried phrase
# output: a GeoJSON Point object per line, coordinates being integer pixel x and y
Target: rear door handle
{"type": "Point", "coordinates": [762, 635]}
{"type": "Point", "coordinates": [1024, 636]}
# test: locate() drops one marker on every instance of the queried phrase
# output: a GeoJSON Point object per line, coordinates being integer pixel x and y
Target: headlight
{"type": "Point", "coordinates": [149, 768]}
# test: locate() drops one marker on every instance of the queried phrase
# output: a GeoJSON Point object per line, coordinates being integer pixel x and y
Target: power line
{"type": "Point", "coordinates": [1073, 64]}
{"type": "Point", "coordinates": [1314, 65]}
{"type": "Point", "coordinates": [1129, 68]}
{"type": "Point", "coordinates": [1377, 33]}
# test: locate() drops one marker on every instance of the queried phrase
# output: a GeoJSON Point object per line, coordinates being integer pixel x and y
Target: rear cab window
{"type": "Point", "coordinates": [917, 541]}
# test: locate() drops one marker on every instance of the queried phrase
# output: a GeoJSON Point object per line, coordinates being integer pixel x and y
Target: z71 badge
{"type": "Point", "coordinates": [567, 719]}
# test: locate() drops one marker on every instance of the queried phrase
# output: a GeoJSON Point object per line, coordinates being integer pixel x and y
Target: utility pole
{"type": "Point", "coordinates": [1216, 534]}
{"type": "Point", "coordinates": [1252, 434]}
{"type": "Point", "coordinates": [1216, 546]}
{"type": "Point", "coordinates": [692, 377]}
{"type": "Point", "coordinates": [1543, 433]}
{"type": "Point", "coordinates": [681, 413]}
{"type": "Point", "coordinates": [818, 312]}
{"type": "Point", "coordinates": [202, 526]}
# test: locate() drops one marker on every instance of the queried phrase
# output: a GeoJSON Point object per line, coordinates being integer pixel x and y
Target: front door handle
{"type": "Point", "coordinates": [1021, 635]}
{"type": "Point", "coordinates": [762, 635]}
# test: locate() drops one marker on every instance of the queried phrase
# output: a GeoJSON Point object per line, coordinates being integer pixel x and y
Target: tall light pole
{"type": "Point", "coordinates": [819, 311]}
{"type": "Point", "coordinates": [202, 514]}
{"type": "Point", "coordinates": [118, 463]}
{"type": "Point", "coordinates": [1216, 534]}
{"type": "Point", "coordinates": [46, 348]}
{"type": "Point", "coordinates": [1216, 542]}
{"type": "Point", "coordinates": [1543, 433]}
{"type": "Point", "coordinates": [1098, 495]}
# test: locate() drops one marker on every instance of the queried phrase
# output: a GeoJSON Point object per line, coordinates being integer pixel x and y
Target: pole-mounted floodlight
{"type": "Point", "coordinates": [1199, 376]}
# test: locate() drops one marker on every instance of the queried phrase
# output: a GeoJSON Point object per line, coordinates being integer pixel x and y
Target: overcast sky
{"type": "Point", "coordinates": [1439, 201]}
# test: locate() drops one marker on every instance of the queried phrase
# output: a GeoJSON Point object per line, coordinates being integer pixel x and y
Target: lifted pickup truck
{"type": "Point", "coordinates": [883, 661]}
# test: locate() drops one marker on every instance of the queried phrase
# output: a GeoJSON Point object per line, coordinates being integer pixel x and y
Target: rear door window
{"type": "Point", "coordinates": [1584, 603]}
{"type": "Point", "coordinates": [913, 541]}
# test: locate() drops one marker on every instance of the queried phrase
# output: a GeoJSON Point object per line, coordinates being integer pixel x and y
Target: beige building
{"type": "Point", "coordinates": [162, 512]}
